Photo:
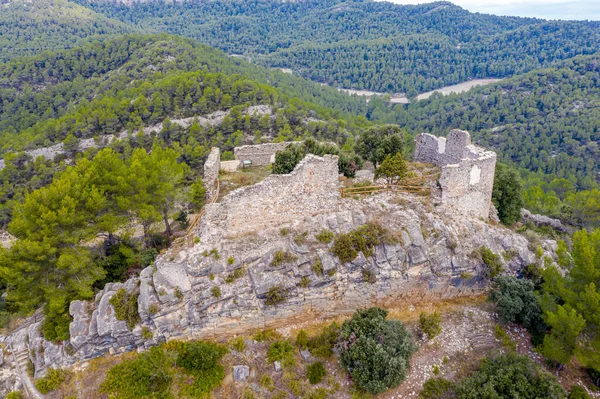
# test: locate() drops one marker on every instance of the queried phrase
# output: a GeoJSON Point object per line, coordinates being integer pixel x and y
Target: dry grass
{"type": "Point", "coordinates": [230, 181]}
{"type": "Point", "coordinates": [462, 318]}
{"type": "Point", "coordinates": [86, 383]}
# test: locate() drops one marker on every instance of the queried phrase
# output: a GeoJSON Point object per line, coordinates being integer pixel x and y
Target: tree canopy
{"type": "Point", "coordinates": [571, 305]}
{"type": "Point", "coordinates": [375, 351]}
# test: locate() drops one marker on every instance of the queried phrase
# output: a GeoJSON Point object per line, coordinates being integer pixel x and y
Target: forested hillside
{"type": "Point", "coordinates": [365, 44]}
{"type": "Point", "coordinates": [30, 27]}
{"type": "Point", "coordinates": [544, 121]}
{"type": "Point", "coordinates": [134, 82]}
{"type": "Point", "coordinates": [38, 88]}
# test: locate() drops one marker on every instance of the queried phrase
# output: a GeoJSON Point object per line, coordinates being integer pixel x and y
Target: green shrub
{"type": "Point", "coordinates": [230, 260]}
{"type": "Point", "coordinates": [436, 388]}
{"type": "Point", "coordinates": [248, 394]}
{"type": "Point", "coordinates": [178, 294]}
{"type": "Point", "coordinates": [266, 336]}
{"type": "Point", "coordinates": [323, 344]}
{"type": "Point", "coordinates": [126, 307]}
{"type": "Point", "coordinates": [275, 295]}
{"type": "Point", "coordinates": [52, 380]}
{"type": "Point", "coordinates": [281, 257]}
{"type": "Point", "coordinates": [430, 325]}
{"type": "Point", "coordinates": [237, 344]}
{"type": "Point", "coordinates": [56, 326]}
{"type": "Point", "coordinates": [234, 275]}
{"type": "Point", "coordinates": [153, 308]}
{"type": "Point", "coordinates": [201, 355]}
{"type": "Point", "coordinates": [516, 302]}
{"type": "Point", "coordinates": [505, 339]}
{"type": "Point", "coordinates": [147, 333]}
{"type": "Point", "coordinates": [216, 291]}
{"type": "Point", "coordinates": [465, 276]}
{"type": "Point", "coordinates": [509, 376]}
{"type": "Point", "coordinates": [282, 351]}
{"type": "Point", "coordinates": [363, 239]}
{"type": "Point", "coordinates": [376, 352]}
{"type": "Point", "coordinates": [148, 375]}
{"type": "Point", "coordinates": [284, 231]}
{"type": "Point", "coordinates": [509, 254]}
{"type": "Point", "coordinates": [578, 392]}
{"type": "Point", "coordinates": [317, 267]}
{"type": "Point", "coordinates": [369, 276]}
{"type": "Point", "coordinates": [325, 236]}
{"type": "Point", "coordinates": [393, 169]}
{"type": "Point", "coordinates": [492, 261]}
{"type": "Point", "coordinates": [317, 393]}
{"type": "Point", "coordinates": [267, 382]}
{"type": "Point", "coordinates": [147, 257]}
{"type": "Point", "coordinates": [14, 395]}
{"type": "Point", "coordinates": [316, 372]}
{"type": "Point", "coordinates": [302, 339]}
{"type": "Point", "coordinates": [507, 194]}
{"type": "Point", "coordinates": [30, 368]}
{"type": "Point", "coordinates": [304, 281]}
{"type": "Point", "coordinates": [300, 239]}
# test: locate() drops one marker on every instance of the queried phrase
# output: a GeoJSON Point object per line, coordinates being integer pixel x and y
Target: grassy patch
{"type": "Point", "coordinates": [281, 257]}
{"type": "Point", "coordinates": [363, 239]}
{"type": "Point", "coordinates": [126, 307]}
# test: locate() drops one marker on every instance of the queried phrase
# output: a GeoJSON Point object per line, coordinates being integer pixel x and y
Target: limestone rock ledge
{"type": "Point", "coordinates": [432, 261]}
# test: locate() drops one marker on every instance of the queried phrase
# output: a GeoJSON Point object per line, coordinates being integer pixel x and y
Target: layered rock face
{"type": "Point", "coordinates": [248, 244]}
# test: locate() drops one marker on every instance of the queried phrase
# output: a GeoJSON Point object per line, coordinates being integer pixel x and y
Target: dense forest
{"type": "Point", "coordinates": [544, 121]}
{"type": "Point", "coordinates": [134, 81]}
{"type": "Point", "coordinates": [364, 44]}
{"type": "Point", "coordinates": [30, 27]}
{"type": "Point", "coordinates": [34, 89]}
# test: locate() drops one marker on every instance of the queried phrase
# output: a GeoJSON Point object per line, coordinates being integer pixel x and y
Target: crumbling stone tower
{"type": "Point", "coordinates": [467, 178]}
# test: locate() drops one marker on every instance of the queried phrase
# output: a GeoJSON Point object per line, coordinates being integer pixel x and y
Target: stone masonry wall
{"type": "Point", "coordinates": [211, 172]}
{"type": "Point", "coordinates": [467, 177]}
{"type": "Point", "coordinates": [311, 187]}
{"type": "Point", "coordinates": [259, 154]}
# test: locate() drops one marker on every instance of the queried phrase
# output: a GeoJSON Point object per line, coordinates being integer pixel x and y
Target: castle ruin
{"type": "Point", "coordinates": [238, 239]}
{"type": "Point", "coordinates": [467, 178]}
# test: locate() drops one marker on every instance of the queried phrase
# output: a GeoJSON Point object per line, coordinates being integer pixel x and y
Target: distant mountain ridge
{"type": "Point", "coordinates": [370, 45]}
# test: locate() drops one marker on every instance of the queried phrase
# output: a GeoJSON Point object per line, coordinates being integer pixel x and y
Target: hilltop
{"type": "Point", "coordinates": [31, 27]}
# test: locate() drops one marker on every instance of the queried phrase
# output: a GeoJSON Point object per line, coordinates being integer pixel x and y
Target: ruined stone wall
{"type": "Point", "coordinates": [311, 187]}
{"type": "Point", "coordinates": [176, 298]}
{"type": "Point", "coordinates": [467, 178]}
{"type": "Point", "coordinates": [259, 154]}
{"type": "Point", "coordinates": [467, 186]}
{"type": "Point", "coordinates": [211, 172]}
{"type": "Point", "coordinates": [230, 166]}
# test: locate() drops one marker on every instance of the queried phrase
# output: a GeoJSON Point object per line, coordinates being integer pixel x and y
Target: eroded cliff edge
{"type": "Point", "coordinates": [263, 236]}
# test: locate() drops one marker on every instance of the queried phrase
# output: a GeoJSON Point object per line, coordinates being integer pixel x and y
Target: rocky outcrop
{"type": "Point", "coordinates": [220, 287]}
{"type": "Point", "coordinates": [213, 119]}
{"type": "Point", "coordinates": [544, 221]}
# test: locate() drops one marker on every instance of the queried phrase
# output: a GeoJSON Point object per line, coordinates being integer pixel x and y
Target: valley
{"type": "Point", "coordinates": [401, 99]}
